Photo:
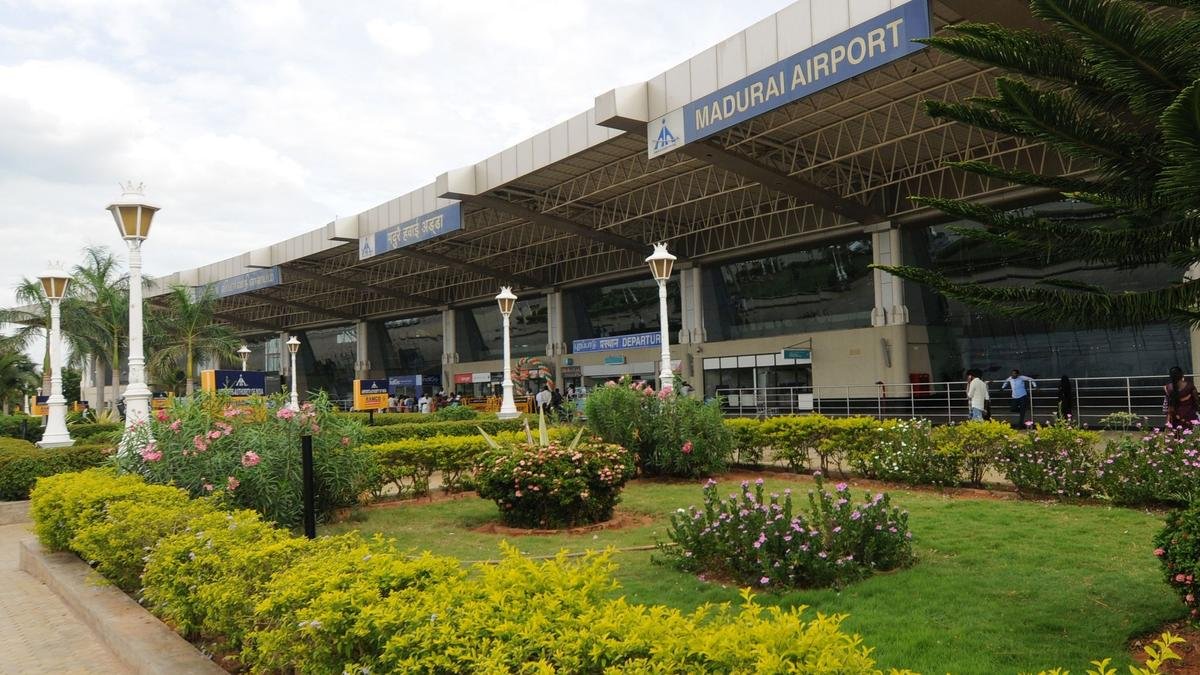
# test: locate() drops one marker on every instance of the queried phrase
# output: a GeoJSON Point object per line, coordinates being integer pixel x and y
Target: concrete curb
{"type": "Point", "coordinates": [135, 636]}
{"type": "Point", "coordinates": [12, 513]}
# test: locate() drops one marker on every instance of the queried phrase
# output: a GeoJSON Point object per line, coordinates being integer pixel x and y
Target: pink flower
{"type": "Point", "coordinates": [200, 443]}
{"type": "Point", "coordinates": [151, 453]}
{"type": "Point", "coordinates": [663, 394]}
{"type": "Point", "coordinates": [345, 441]}
{"type": "Point", "coordinates": [687, 448]}
{"type": "Point", "coordinates": [610, 383]}
{"type": "Point", "coordinates": [841, 487]}
{"type": "Point", "coordinates": [285, 413]}
{"type": "Point", "coordinates": [764, 581]}
{"type": "Point", "coordinates": [1179, 578]}
{"type": "Point", "coordinates": [250, 459]}
{"type": "Point", "coordinates": [176, 425]}
{"type": "Point", "coordinates": [649, 391]}
{"type": "Point", "coordinates": [231, 411]}
{"type": "Point", "coordinates": [161, 415]}
{"type": "Point", "coordinates": [232, 483]}
{"type": "Point", "coordinates": [208, 487]}
{"type": "Point", "coordinates": [1159, 552]}
{"type": "Point", "coordinates": [214, 434]}
{"type": "Point", "coordinates": [1189, 598]}
{"type": "Point", "coordinates": [316, 429]}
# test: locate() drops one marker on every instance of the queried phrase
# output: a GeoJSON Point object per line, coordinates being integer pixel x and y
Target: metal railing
{"type": "Point", "coordinates": [943, 402]}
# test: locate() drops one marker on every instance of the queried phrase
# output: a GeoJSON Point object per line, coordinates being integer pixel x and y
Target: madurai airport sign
{"type": "Point", "coordinates": [433, 224]}
{"type": "Point", "coordinates": [608, 344]}
{"type": "Point", "coordinates": [250, 281]}
{"type": "Point", "coordinates": [864, 47]}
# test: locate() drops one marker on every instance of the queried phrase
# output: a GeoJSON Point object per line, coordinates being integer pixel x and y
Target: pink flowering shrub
{"type": "Point", "coordinates": [1056, 460]}
{"type": "Point", "coordinates": [249, 455]}
{"type": "Point", "coordinates": [1178, 549]}
{"type": "Point", "coordinates": [765, 541]}
{"type": "Point", "coordinates": [672, 435]}
{"type": "Point", "coordinates": [1160, 466]}
{"type": "Point", "coordinates": [554, 485]}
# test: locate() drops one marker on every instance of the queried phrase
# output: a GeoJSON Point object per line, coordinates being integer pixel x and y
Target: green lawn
{"type": "Point", "coordinates": [999, 587]}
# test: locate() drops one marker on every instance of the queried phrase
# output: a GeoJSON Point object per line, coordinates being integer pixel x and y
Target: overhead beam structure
{"type": "Point", "coordinates": [556, 222]}
{"type": "Point", "coordinates": [303, 306]}
{"type": "Point", "coordinates": [478, 268]}
{"type": "Point", "coordinates": [347, 283]}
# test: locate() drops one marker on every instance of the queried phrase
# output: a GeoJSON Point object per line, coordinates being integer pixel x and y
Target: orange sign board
{"type": "Point", "coordinates": [370, 394]}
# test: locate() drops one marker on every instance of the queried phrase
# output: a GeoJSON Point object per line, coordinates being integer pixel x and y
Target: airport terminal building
{"type": "Point", "coordinates": [777, 165]}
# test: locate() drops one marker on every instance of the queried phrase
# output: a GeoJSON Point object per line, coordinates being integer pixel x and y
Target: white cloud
{"type": "Point", "coordinates": [400, 37]}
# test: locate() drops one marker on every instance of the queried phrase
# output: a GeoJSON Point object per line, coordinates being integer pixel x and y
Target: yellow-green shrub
{"type": "Point", "coordinates": [748, 439]}
{"type": "Point", "coordinates": [65, 503]}
{"type": "Point", "coordinates": [980, 444]}
{"type": "Point", "coordinates": [795, 438]}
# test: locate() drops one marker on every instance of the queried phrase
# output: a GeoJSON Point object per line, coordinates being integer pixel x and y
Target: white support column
{"type": "Point", "coordinates": [555, 346]}
{"type": "Point", "coordinates": [362, 358]}
{"type": "Point", "coordinates": [889, 309]}
{"type": "Point", "coordinates": [449, 346]}
{"type": "Point", "coordinates": [285, 363]}
{"type": "Point", "coordinates": [692, 330]}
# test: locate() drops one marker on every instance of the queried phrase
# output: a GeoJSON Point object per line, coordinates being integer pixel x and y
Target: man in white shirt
{"type": "Point", "coordinates": [1022, 386]}
{"type": "Point", "coordinates": [977, 394]}
{"type": "Point", "coordinates": [543, 399]}
{"type": "Point", "coordinates": [424, 403]}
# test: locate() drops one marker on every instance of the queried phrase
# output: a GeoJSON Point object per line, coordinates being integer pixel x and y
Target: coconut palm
{"type": "Point", "coordinates": [97, 312]}
{"type": "Point", "coordinates": [18, 378]}
{"type": "Point", "coordinates": [1116, 85]}
{"type": "Point", "coordinates": [185, 329]}
{"type": "Point", "coordinates": [31, 321]}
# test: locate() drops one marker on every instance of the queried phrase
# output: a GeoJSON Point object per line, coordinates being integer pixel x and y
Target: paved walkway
{"type": "Point", "coordinates": [38, 634]}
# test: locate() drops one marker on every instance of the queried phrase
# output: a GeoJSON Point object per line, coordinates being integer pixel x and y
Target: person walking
{"type": "Point", "coordinates": [977, 395]}
{"type": "Point", "coordinates": [1179, 400]}
{"type": "Point", "coordinates": [543, 399]}
{"type": "Point", "coordinates": [1022, 387]}
{"type": "Point", "coordinates": [1066, 399]}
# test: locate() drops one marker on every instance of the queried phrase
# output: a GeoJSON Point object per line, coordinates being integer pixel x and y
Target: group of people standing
{"type": "Point", "coordinates": [1179, 398]}
{"type": "Point", "coordinates": [426, 403]}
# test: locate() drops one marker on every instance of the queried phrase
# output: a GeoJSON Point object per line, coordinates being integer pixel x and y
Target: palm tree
{"type": "Point", "coordinates": [97, 312]}
{"type": "Point", "coordinates": [32, 321]}
{"type": "Point", "coordinates": [18, 378]}
{"type": "Point", "coordinates": [185, 329]}
{"type": "Point", "coordinates": [1116, 84]}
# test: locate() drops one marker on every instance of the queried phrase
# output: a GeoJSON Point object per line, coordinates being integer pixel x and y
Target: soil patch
{"type": "Point", "coordinates": [1189, 649]}
{"type": "Point", "coordinates": [620, 520]}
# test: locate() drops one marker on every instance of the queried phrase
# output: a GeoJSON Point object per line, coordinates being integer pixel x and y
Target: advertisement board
{"type": "Point", "coordinates": [237, 383]}
{"type": "Point", "coordinates": [370, 394]}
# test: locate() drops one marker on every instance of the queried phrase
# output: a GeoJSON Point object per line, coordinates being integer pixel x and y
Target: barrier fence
{"type": "Point", "coordinates": [1092, 399]}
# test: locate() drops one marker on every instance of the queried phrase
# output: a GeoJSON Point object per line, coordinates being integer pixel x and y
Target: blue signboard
{"type": "Point", "coordinates": [862, 48]}
{"type": "Point", "coordinates": [241, 382]}
{"type": "Point", "coordinates": [250, 281]}
{"type": "Point", "coordinates": [433, 224]}
{"type": "Point", "coordinates": [608, 344]}
{"type": "Point", "coordinates": [372, 386]}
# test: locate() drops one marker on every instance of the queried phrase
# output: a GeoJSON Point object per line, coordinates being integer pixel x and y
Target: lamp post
{"type": "Point", "coordinates": [661, 262]}
{"type": "Point", "coordinates": [244, 352]}
{"type": "Point", "coordinates": [508, 408]}
{"type": "Point", "coordinates": [293, 345]}
{"type": "Point", "coordinates": [54, 284]}
{"type": "Point", "coordinates": [133, 216]}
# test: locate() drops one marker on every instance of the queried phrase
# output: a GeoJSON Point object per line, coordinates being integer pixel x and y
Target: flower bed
{"type": "Point", "coordinates": [250, 454]}
{"type": "Point", "coordinates": [1159, 466]}
{"type": "Point", "coordinates": [554, 485]}
{"type": "Point", "coordinates": [765, 541]}
{"type": "Point", "coordinates": [1178, 550]}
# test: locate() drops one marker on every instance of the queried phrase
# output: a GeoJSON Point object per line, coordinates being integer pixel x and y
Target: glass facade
{"type": "Point", "coordinates": [618, 309]}
{"type": "Point", "coordinates": [327, 356]}
{"type": "Point", "coordinates": [481, 331]}
{"type": "Point", "coordinates": [413, 345]}
{"type": "Point", "coordinates": [966, 337]}
{"type": "Point", "coordinates": [822, 288]}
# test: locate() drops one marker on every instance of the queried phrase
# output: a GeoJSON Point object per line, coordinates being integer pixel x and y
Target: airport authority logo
{"type": "Point", "coordinates": [364, 250]}
{"type": "Point", "coordinates": [665, 133]}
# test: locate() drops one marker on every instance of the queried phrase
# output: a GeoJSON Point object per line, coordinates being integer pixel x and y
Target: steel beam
{"type": "Point", "coordinates": [557, 223]}
{"type": "Point", "coordinates": [297, 304]}
{"type": "Point", "coordinates": [347, 283]}
{"type": "Point", "coordinates": [478, 268]}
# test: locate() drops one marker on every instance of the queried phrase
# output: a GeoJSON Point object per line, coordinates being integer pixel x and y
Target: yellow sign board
{"type": "Point", "coordinates": [159, 402]}
{"type": "Point", "coordinates": [370, 394]}
{"type": "Point", "coordinates": [39, 409]}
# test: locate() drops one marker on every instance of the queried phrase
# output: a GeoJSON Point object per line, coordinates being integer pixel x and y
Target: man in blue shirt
{"type": "Point", "coordinates": [1021, 388]}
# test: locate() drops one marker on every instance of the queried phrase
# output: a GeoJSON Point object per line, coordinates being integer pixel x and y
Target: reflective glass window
{"type": "Point", "coordinates": [481, 330]}
{"type": "Point", "coordinates": [619, 309]}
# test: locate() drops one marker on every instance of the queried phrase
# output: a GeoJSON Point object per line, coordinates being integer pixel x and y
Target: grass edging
{"type": "Point", "coordinates": [132, 634]}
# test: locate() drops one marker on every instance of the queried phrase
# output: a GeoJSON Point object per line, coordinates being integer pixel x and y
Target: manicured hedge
{"type": "Point", "coordinates": [399, 432]}
{"type": "Point", "coordinates": [22, 463]}
{"type": "Point", "coordinates": [342, 604]}
{"type": "Point", "coordinates": [10, 426]}
{"type": "Point", "coordinates": [85, 431]}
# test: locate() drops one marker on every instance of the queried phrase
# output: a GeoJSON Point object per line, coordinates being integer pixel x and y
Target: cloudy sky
{"type": "Point", "coordinates": [256, 120]}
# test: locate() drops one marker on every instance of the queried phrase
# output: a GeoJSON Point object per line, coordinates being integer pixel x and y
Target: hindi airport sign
{"type": "Point", "coordinates": [250, 281]}
{"type": "Point", "coordinates": [433, 224]}
{"type": "Point", "coordinates": [860, 49]}
{"type": "Point", "coordinates": [608, 344]}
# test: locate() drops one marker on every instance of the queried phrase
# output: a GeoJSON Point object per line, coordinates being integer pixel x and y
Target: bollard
{"type": "Point", "coordinates": [371, 417]}
{"type": "Point", "coordinates": [24, 430]}
{"type": "Point", "coordinates": [310, 513]}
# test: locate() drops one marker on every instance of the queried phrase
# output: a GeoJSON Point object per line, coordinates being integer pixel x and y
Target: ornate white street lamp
{"type": "Point", "coordinates": [133, 216]}
{"type": "Point", "coordinates": [508, 408]}
{"type": "Point", "coordinates": [661, 262]}
{"type": "Point", "coordinates": [244, 352]}
{"type": "Point", "coordinates": [293, 345]}
{"type": "Point", "coordinates": [54, 284]}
